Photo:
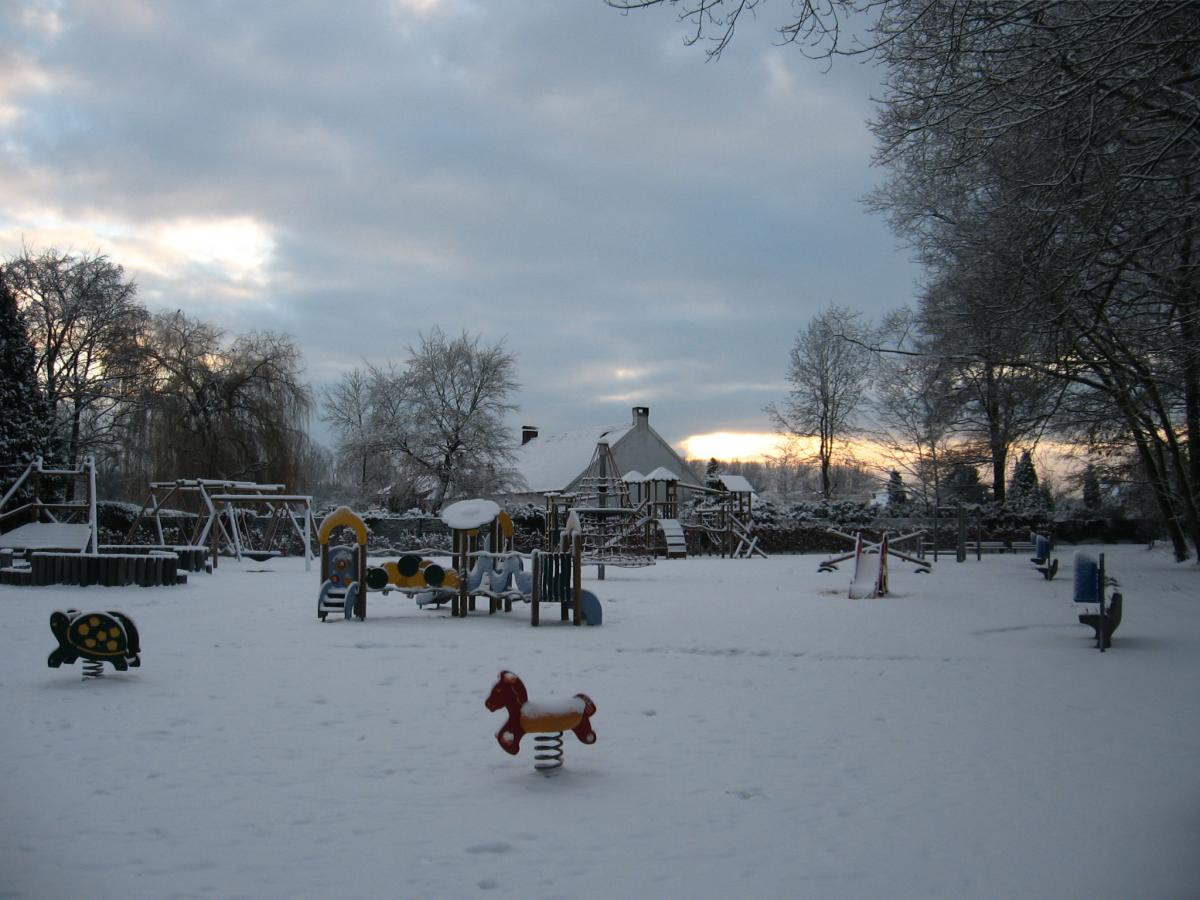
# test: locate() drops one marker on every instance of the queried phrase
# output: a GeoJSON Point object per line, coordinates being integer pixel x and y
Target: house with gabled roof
{"type": "Point", "coordinates": [556, 463]}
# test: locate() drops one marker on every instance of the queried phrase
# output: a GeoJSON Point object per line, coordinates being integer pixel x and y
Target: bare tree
{"type": "Point", "coordinates": [1054, 143]}
{"type": "Point", "coordinates": [918, 410]}
{"type": "Point", "coordinates": [348, 407]}
{"type": "Point", "coordinates": [827, 371]}
{"type": "Point", "coordinates": [85, 324]}
{"type": "Point", "coordinates": [444, 413]}
{"type": "Point", "coordinates": [223, 408]}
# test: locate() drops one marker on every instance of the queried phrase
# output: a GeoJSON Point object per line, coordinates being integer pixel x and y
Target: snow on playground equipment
{"type": "Point", "coordinates": [64, 525]}
{"type": "Point", "coordinates": [545, 720]}
{"type": "Point", "coordinates": [96, 638]}
{"type": "Point", "coordinates": [613, 531]}
{"type": "Point", "coordinates": [1041, 556]}
{"type": "Point", "coordinates": [58, 527]}
{"type": "Point", "coordinates": [1091, 583]}
{"type": "Point", "coordinates": [343, 568]}
{"type": "Point", "coordinates": [722, 518]}
{"type": "Point", "coordinates": [555, 575]}
{"type": "Point", "coordinates": [56, 541]}
{"type": "Point", "coordinates": [346, 578]}
{"type": "Point", "coordinates": [870, 561]}
{"type": "Point", "coordinates": [870, 570]}
{"type": "Point", "coordinates": [476, 571]}
{"type": "Point", "coordinates": [223, 510]}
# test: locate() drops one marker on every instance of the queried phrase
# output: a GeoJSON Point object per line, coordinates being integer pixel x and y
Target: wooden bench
{"type": "Point", "coordinates": [1110, 622]}
{"type": "Point", "coordinates": [987, 547]}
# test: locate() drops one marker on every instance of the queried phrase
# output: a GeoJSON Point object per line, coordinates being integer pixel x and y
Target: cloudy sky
{"type": "Point", "coordinates": [639, 226]}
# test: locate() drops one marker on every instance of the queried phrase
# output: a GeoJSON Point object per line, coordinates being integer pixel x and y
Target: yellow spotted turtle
{"type": "Point", "coordinates": [95, 636]}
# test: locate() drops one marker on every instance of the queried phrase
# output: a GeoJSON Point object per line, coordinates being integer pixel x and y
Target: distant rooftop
{"type": "Point", "coordinates": [737, 484]}
{"type": "Point", "coordinates": [550, 462]}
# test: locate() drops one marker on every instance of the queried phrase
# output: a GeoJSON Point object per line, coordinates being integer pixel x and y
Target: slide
{"type": "Point", "coordinates": [870, 572]}
{"type": "Point", "coordinates": [673, 532]}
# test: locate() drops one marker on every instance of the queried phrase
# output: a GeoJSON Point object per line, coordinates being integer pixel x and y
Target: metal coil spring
{"type": "Point", "coordinates": [92, 668]}
{"type": "Point", "coordinates": [547, 751]}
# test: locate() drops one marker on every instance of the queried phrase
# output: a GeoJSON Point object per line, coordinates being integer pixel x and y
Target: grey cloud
{"type": "Point", "coordinates": [557, 173]}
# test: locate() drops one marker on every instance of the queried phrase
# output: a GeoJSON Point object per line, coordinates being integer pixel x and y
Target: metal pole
{"type": "Point", "coordinates": [93, 539]}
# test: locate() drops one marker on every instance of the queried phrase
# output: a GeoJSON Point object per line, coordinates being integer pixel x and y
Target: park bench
{"type": "Point", "coordinates": [1104, 627]}
{"type": "Point", "coordinates": [1090, 584]}
{"type": "Point", "coordinates": [1041, 558]}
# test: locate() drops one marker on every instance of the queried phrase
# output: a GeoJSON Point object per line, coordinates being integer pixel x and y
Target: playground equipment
{"type": "Point", "coordinates": [545, 720]}
{"type": "Point", "coordinates": [722, 515]}
{"type": "Point", "coordinates": [888, 544]}
{"type": "Point", "coordinates": [343, 568]}
{"type": "Point", "coordinates": [1041, 556]}
{"type": "Point", "coordinates": [1091, 582]}
{"type": "Point", "coordinates": [870, 569]}
{"type": "Point", "coordinates": [629, 520]}
{"type": "Point", "coordinates": [476, 571]}
{"type": "Point", "coordinates": [95, 637]}
{"type": "Point", "coordinates": [66, 525]}
{"type": "Point", "coordinates": [613, 530]}
{"type": "Point", "coordinates": [223, 510]}
{"type": "Point", "coordinates": [555, 576]}
{"type": "Point", "coordinates": [55, 541]}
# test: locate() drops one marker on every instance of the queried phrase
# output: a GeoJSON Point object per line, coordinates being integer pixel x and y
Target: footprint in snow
{"type": "Point", "coordinates": [747, 793]}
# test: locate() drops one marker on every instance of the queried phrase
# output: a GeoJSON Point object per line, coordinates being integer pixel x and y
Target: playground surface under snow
{"type": "Point", "coordinates": [759, 735]}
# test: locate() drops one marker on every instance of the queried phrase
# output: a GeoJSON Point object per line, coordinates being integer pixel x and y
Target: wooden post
{"type": "Point", "coordinates": [360, 601]}
{"type": "Point", "coordinates": [577, 577]}
{"type": "Point", "coordinates": [458, 606]}
{"type": "Point", "coordinates": [537, 587]}
{"type": "Point", "coordinates": [1103, 629]}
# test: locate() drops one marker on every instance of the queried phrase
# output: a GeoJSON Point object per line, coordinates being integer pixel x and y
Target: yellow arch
{"type": "Point", "coordinates": [343, 515]}
{"type": "Point", "coordinates": [506, 524]}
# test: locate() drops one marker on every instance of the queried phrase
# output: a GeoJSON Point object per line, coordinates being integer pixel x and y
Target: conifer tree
{"type": "Point", "coordinates": [1092, 497]}
{"type": "Point", "coordinates": [897, 493]}
{"type": "Point", "coordinates": [712, 474]}
{"type": "Point", "coordinates": [1025, 497]}
{"type": "Point", "coordinates": [24, 415]}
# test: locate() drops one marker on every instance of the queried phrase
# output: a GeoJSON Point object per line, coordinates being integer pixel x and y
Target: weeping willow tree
{"type": "Point", "coordinates": [220, 408]}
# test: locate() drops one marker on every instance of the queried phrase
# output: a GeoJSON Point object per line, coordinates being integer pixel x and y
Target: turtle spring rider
{"type": "Point", "coordinates": [96, 638]}
{"type": "Point", "coordinates": [547, 721]}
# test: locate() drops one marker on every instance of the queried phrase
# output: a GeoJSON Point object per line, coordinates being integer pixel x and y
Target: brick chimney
{"type": "Point", "coordinates": [641, 417]}
{"type": "Point", "coordinates": [528, 433]}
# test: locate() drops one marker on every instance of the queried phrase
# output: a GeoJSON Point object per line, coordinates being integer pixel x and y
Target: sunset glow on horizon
{"type": "Point", "coordinates": [732, 445]}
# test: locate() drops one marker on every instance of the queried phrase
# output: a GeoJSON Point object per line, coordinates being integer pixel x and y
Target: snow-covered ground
{"type": "Point", "coordinates": [759, 735]}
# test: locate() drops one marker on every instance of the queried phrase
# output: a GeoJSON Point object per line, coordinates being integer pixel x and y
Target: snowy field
{"type": "Point", "coordinates": [759, 735]}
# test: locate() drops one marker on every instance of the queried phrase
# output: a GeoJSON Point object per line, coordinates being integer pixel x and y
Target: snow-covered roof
{"type": "Point", "coordinates": [662, 473]}
{"type": "Point", "coordinates": [737, 483]}
{"type": "Point", "coordinates": [633, 476]}
{"type": "Point", "coordinates": [550, 462]}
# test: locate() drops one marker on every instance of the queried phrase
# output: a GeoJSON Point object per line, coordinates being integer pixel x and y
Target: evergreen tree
{"type": "Point", "coordinates": [897, 493]}
{"type": "Point", "coordinates": [712, 474]}
{"type": "Point", "coordinates": [25, 419]}
{"type": "Point", "coordinates": [1025, 497]}
{"type": "Point", "coordinates": [962, 484]}
{"type": "Point", "coordinates": [1092, 497]}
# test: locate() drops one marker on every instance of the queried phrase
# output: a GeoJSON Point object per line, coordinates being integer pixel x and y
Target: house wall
{"type": "Point", "coordinates": [643, 450]}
